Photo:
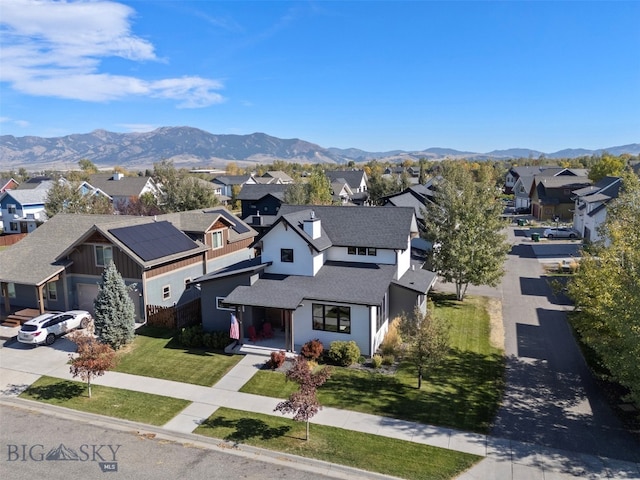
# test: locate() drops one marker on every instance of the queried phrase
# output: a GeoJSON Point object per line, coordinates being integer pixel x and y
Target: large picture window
{"type": "Point", "coordinates": [104, 255]}
{"type": "Point", "coordinates": [331, 318]}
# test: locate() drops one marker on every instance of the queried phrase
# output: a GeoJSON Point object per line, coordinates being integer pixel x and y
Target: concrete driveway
{"type": "Point", "coordinates": [551, 398]}
{"type": "Point", "coordinates": [21, 365]}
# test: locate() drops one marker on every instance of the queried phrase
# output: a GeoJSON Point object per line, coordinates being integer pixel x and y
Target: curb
{"type": "Point", "coordinates": [199, 441]}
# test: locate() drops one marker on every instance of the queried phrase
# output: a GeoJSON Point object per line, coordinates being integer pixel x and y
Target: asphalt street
{"type": "Point", "coordinates": [37, 445]}
{"type": "Point", "coordinates": [551, 398]}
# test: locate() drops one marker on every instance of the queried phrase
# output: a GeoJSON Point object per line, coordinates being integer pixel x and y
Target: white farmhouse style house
{"type": "Point", "coordinates": [326, 272]}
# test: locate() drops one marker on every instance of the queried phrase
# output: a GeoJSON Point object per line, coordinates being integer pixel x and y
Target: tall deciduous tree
{"type": "Point", "coordinates": [427, 340]}
{"type": "Point", "coordinates": [182, 192]}
{"type": "Point", "coordinates": [465, 227]}
{"type": "Point", "coordinates": [304, 403]}
{"type": "Point", "coordinates": [319, 188]}
{"type": "Point", "coordinates": [606, 290]}
{"type": "Point", "coordinates": [67, 197]}
{"type": "Point", "coordinates": [607, 165]}
{"type": "Point", "coordinates": [93, 358]}
{"type": "Point", "coordinates": [114, 309]}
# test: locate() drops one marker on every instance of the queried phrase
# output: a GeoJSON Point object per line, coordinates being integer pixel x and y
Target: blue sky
{"type": "Point", "coordinates": [378, 76]}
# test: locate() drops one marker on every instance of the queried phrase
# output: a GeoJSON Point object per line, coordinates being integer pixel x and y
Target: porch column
{"type": "Point", "coordinates": [40, 298]}
{"type": "Point", "coordinates": [240, 325]}
{"type": "Point", "coordinates": [5, 293]}
{"type": "Point", "coordinates": [288, 330]}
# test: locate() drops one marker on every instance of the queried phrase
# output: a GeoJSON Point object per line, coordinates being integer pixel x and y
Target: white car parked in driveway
{"type": "Point", "coordinates": [47, 327]}
{"type": "Point", "coordinates": [560, 232]}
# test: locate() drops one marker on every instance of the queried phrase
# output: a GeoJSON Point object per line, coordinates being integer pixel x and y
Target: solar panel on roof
{"type": "Point", "coordinates": [237, 225]}
{"type": "Point", "coordinates": [151, 241]}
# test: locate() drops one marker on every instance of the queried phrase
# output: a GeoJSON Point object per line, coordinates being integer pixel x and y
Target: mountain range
{"type": "Point", "coordinates": [192, 147]}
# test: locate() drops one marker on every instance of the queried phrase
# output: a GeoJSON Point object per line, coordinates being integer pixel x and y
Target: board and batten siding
{"type": "Point", "coordinates": [84, 261]}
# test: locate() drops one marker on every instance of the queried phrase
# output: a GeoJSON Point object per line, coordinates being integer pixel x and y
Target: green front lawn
{"type": "Point", "coordinates": [154, 353]}
{"type": "Point", "coordinates": [112, 402]}
{"type": "Point", "coordinates": [369, 452]}
{"type": "Point", "coordinates": [463, 393]}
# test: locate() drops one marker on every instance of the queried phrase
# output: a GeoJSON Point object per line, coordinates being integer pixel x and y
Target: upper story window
{"type": "Point", "coordinates": [216, 239]}
{"type": "Point", "coordinates": [11, 208]}
{"type": "Point", "coordinates": [104, 255]}
{"type": "Point", "coordinates": [362, 251]}
{"type": "Point", "coordinates": [166, 292]}
{"type": "Point", "coordinates": [286, 255]}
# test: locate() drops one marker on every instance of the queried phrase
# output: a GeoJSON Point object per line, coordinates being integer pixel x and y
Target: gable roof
{"type": "Point", "coordinates": [353, 177]}
{"type": "Point", "coordinates": [125, 187]}
{"type": "Point", "coordinates": [562, 181]}
{"type": "Point", "coordinates": [356, 226]}
{"type": "Point", "coordinates": [278, 174]}
{"type": "Point", "coordinates": [32, 261]}
{"type": "Point", "coordinates": [32, 196]}
{"type": "Point", "coordinates": [232, 179]}
{"type": "Point", "coordinates": [5, 181]}
{"type": "Point", "coordinates": [256, 192]}
{"type": "Point", "coordinates": [407, 199]}
{"type": "Point", "coordinates": [41, 254]}
{"type": "Point", "coordinates": [201, 221]}
{"type": "Point", "coordinates": [33, 182]}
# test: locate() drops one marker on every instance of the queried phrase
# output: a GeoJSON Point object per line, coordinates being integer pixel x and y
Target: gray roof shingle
{"type": "Point", "coordinates": [376, 227]}
{"type": "Point", "coordinates": [355, 283]}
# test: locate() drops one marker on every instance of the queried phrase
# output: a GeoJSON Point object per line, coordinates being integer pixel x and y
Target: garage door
{"type": "Point", "coordinates": [87, 293]}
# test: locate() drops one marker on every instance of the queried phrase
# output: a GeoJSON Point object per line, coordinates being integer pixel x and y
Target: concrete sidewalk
{"type": "Point", "coordinates": [504, 459]}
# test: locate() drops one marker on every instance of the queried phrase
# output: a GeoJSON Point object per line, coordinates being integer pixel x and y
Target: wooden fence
{"type": "Point", "coordinates": [174, 317]}
{"type": "Point", "coordinates": [10, 239]}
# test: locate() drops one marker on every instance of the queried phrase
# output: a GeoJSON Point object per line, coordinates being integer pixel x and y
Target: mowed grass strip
{"type": "Point", "coordinates": [155, 353]}
{"type": "Point", "coordinates": [345, 447]}
{"type": "Point", "coordinates": [463, 393]}
{"type": "Point", "coordinates": [112, 402]}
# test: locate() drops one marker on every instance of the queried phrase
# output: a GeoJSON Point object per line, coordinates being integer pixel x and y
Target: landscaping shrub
{"type": "Point", "coordinates": [376, 361]}
{"type": "Point", "coordinates": [344, 353]}
{"type": "Point", "coordinates": [392, 340]}
{"type": "Point", "coordinates": [191, 337]}
{"type": "Point", "coordinates": [388, 360]}
{"type": "Point", "coordinates": [277, 359]}
{"type": "Point", "coordinates": [312, 350]}
{"type": "Point", "coordinates": [196, 337]}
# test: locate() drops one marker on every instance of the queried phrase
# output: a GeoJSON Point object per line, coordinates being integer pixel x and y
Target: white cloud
{"type": "Point", "coordinates": [55, 49]}
{"type": "Point", "coordinates": [20, 123]}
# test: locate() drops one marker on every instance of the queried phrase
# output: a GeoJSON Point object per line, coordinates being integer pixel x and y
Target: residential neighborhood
{"type": "Point", "coordinates": [345, 272]}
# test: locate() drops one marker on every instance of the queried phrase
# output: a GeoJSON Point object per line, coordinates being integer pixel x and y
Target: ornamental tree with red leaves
{"type": "Point", "coordinates": [93, 358]}
{"type": "Point", "coordinates": [304, 403]}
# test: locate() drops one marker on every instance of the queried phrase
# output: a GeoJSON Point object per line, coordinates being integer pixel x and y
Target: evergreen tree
{"type": "Point", "coordinates": [114, 310]}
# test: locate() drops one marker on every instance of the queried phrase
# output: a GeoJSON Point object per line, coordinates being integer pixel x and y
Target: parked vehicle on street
{"type": "Point", "coordinates": [560, 232]}
{"type": "Point", "coordinates": [46, 328]}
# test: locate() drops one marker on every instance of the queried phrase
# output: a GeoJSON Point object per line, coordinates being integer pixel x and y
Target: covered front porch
{"type": "Point", "coordinates": [266, 327]}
